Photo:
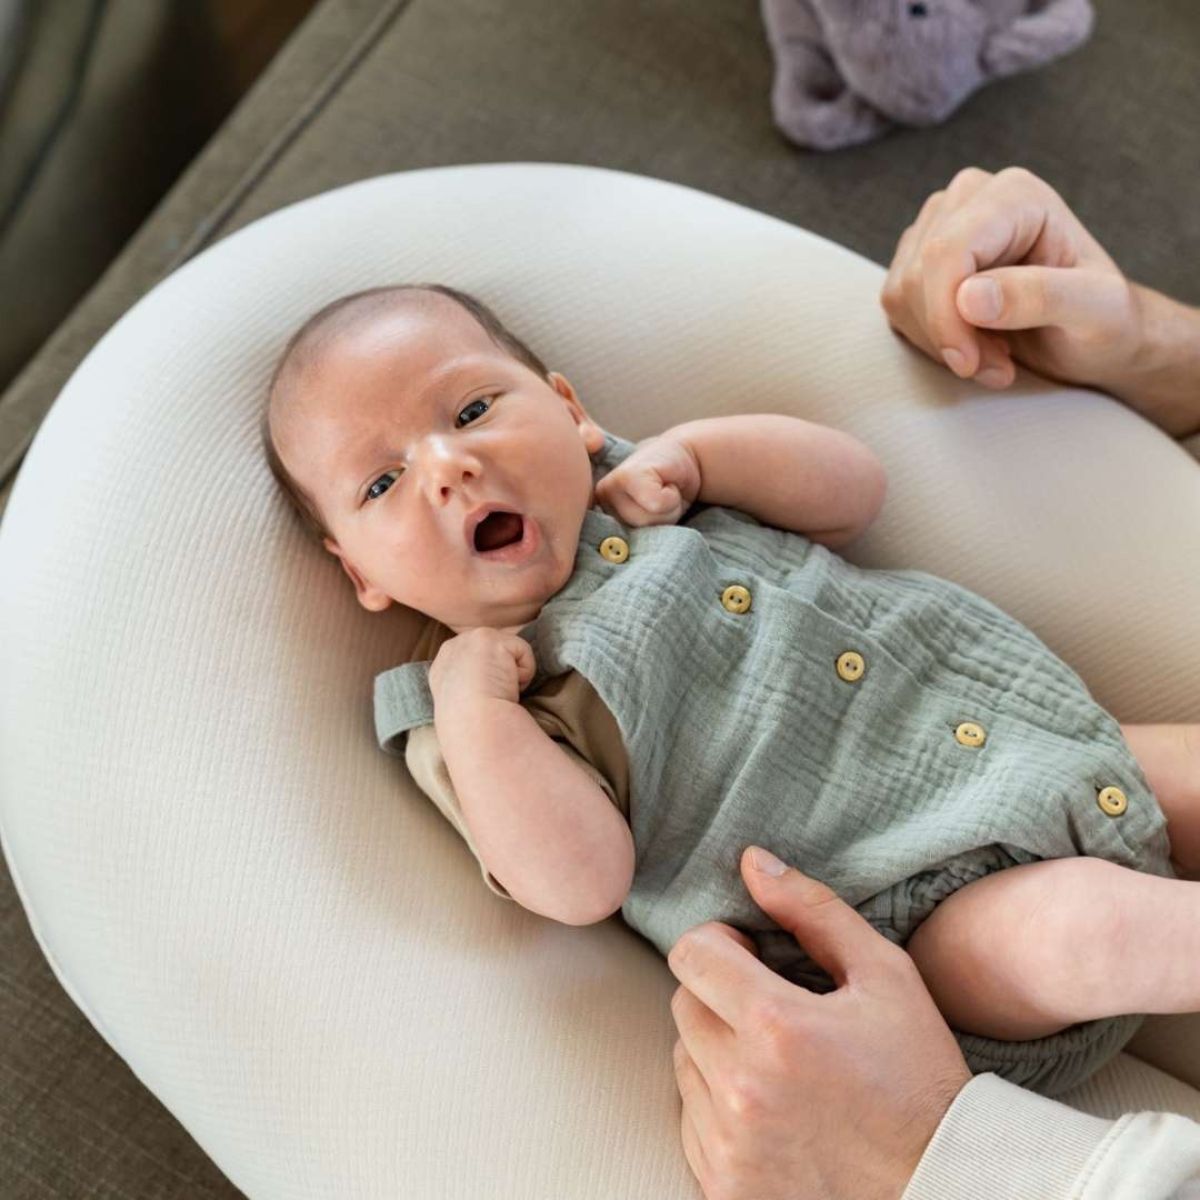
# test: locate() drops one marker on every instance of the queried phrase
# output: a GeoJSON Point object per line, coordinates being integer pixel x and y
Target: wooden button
{"type": "Point", "coordinates": [851, 665]}
{"type": "Point", "coordinates": [736, 598]}
{"type": "Point", "coordinates": [970, 734]}
{"type": "Point", "coordinates": [1113, 801]}
{"type": "Point", "coordinates": [615, 549]}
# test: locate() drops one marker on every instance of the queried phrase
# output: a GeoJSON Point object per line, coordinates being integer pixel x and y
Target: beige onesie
{"type": "Point", "coordinates": [566, 707]}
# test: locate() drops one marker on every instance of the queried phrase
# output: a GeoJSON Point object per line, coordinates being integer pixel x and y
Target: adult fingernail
{"type": "Point", "coordinates": [766, 862]}
{"type": "Point", "coordinates": [982, 298]}
{"type": "Point", "coordinates": [956, 360]}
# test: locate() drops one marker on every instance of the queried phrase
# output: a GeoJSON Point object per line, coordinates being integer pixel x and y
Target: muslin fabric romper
{"type": "Point", "coordinates": [885, 731]}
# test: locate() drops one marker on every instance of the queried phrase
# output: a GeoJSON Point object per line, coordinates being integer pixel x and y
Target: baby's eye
{"type": "Point", "coordinates": [477, 400]}
{"type": "Point", "coordinates": [371, 494]}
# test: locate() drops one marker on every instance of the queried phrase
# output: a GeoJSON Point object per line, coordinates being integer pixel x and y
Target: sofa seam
{"type": "Point", "coordinates": [204, 232]}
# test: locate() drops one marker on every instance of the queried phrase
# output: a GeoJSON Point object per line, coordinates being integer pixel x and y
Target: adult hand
{"type": "Point", "coordinates": [1065, 308]}
{"type": "Point", "coordinates": [794, 1095]}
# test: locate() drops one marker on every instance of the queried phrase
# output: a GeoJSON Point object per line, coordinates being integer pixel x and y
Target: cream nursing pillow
{"type": "Point", "coordinates": [256, 907]}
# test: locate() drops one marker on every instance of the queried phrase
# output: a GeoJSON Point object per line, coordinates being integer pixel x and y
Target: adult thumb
{"type": "Point", "coordinates": [1029, 297]}
{"type": "Point", "coordinates": [832, 933]}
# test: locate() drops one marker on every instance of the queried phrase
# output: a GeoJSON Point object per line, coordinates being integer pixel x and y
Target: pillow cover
{"type": "Point", "coordinates": [254, 906]}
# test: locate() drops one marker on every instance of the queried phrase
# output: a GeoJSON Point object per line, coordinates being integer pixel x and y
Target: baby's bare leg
{"type": "Point", "coordinates": [1025, 952]}
{"type": "Point", "coordinates": [1169, 756]}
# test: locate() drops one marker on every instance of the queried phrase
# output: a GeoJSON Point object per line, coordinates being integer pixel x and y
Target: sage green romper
{"type": "Point", "coordinates": [888, 732]}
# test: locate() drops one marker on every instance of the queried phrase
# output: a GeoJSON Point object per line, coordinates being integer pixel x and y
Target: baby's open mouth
{"type": "Point", "coordinates": [499, 529]}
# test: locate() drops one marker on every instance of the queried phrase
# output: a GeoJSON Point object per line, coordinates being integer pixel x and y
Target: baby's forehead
{"type": "Point", "coordinates": [418, 335]}
{"type": "Point", "coordinates": [421, 342]}
{"type": "Point", "coordinates": [375, 343]}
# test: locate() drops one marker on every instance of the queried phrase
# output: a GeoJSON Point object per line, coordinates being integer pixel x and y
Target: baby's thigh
{"type": "Point", "coordinates": [1016, 932]}
{"type": "Point", "coordinates": [1169, 756]}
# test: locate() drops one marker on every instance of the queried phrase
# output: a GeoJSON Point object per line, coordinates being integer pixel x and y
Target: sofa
{"type": "Point", "coordinates": [675, 91]}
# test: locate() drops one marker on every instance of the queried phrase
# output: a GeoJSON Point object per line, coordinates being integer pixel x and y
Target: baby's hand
{"type": "Point", "coordinates": [655, 485]}
{"type": "Point", "coordinates": [480, 663]}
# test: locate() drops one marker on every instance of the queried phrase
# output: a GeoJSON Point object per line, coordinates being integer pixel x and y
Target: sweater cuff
{"type": "Point", "coordinates": [1023, 1144]}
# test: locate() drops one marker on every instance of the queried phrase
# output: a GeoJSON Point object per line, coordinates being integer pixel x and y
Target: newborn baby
{"type": "Point", "coordinates": [642, 659]}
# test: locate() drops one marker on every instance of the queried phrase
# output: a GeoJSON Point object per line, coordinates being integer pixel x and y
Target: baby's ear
{"type": "Point", "coordinates": [370, 597]}
{"type": "Point", "coordinates": [593, 435]}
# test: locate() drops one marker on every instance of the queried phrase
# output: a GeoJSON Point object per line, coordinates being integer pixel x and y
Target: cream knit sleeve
{"type": "Point", "coordinates": [998, 1141]}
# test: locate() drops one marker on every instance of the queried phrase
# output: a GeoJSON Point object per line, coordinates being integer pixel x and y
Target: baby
{"type": "Point", "coordinates": [642, 659]}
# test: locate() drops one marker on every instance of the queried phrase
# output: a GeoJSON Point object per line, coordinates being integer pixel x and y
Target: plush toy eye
{"type": "Point", "coordinates": [917, 10]}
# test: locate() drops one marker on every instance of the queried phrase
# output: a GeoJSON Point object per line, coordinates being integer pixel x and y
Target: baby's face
{"type": "Point", "coordinates": [406, 426]}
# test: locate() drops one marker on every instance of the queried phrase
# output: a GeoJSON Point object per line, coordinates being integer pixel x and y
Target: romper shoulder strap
{"type": "Point", "coordinates": [402, 702]}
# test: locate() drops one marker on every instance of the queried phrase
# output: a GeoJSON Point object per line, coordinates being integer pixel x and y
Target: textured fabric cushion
{"type": "Point", "coordinates": [254, 906]}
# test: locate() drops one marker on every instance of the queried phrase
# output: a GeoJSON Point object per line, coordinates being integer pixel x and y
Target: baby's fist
{"type": "Point", "coordinates": [655, 485]}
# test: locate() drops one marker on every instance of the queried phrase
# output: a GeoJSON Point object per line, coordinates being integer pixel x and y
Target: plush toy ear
{"type": "Point", "coordinates": [1038, 37]}
{"type": "Point", "coordinates": [810, 101]}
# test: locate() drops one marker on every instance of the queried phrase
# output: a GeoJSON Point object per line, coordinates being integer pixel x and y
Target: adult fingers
{"type": "Point", "coordinates": [698, 1058]}
{"type": "Point", "coordinates": [693, 1149]}
{"type": "Point", "coordinates": [993, 350]}
{"type": "Point", "coordinates": [691, 1049]}
{"type": "Point", "coordinates": [839, 939]}
{"type": "Point", "coordinates": [1080, 299]}
{"type": "Point", "coordinates": [903, 295]}
{"type": "Point", "coordinates": [1000, 224]}
{"type": "Point", "coordinates": [701, 1037]}
{"type": "Point", "coordinates": [965, 185]}
{"type": "Point", "coordinates": [724, 974]}
{"type": "Point", "coordinates": [734, 985]}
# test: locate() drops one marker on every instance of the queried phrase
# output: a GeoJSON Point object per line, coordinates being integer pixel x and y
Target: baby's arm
{"type": "Point", "coordinates": [545, 830]}
{"type": "Point", "coordinates": [787, 472]}
{"type": "Point", "coordinates": [1027, 951]}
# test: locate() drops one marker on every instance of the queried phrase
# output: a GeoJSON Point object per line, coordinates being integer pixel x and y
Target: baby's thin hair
{"type": "Point", "coordinates": [305, 346]}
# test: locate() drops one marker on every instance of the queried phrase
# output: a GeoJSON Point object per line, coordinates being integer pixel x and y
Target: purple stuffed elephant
{"type": "Point", "coordinates": [846, 70]}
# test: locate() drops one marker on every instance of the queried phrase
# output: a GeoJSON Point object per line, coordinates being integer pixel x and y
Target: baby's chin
{"type": "Point", "coordinates": [503, 619]}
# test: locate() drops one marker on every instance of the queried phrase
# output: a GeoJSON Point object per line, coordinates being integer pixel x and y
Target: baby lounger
{"type": "Point", "coordinates": [257, 908]}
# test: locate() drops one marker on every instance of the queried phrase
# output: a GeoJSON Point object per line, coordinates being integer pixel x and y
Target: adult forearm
{"type": "Point", "coordinates": [1162, 382]}
{"type": "Point", "coordinates": [544, 829]}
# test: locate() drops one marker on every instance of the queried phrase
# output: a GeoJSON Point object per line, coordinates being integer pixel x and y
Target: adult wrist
{"type": "Point", "coordinates": [1162, 379]}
